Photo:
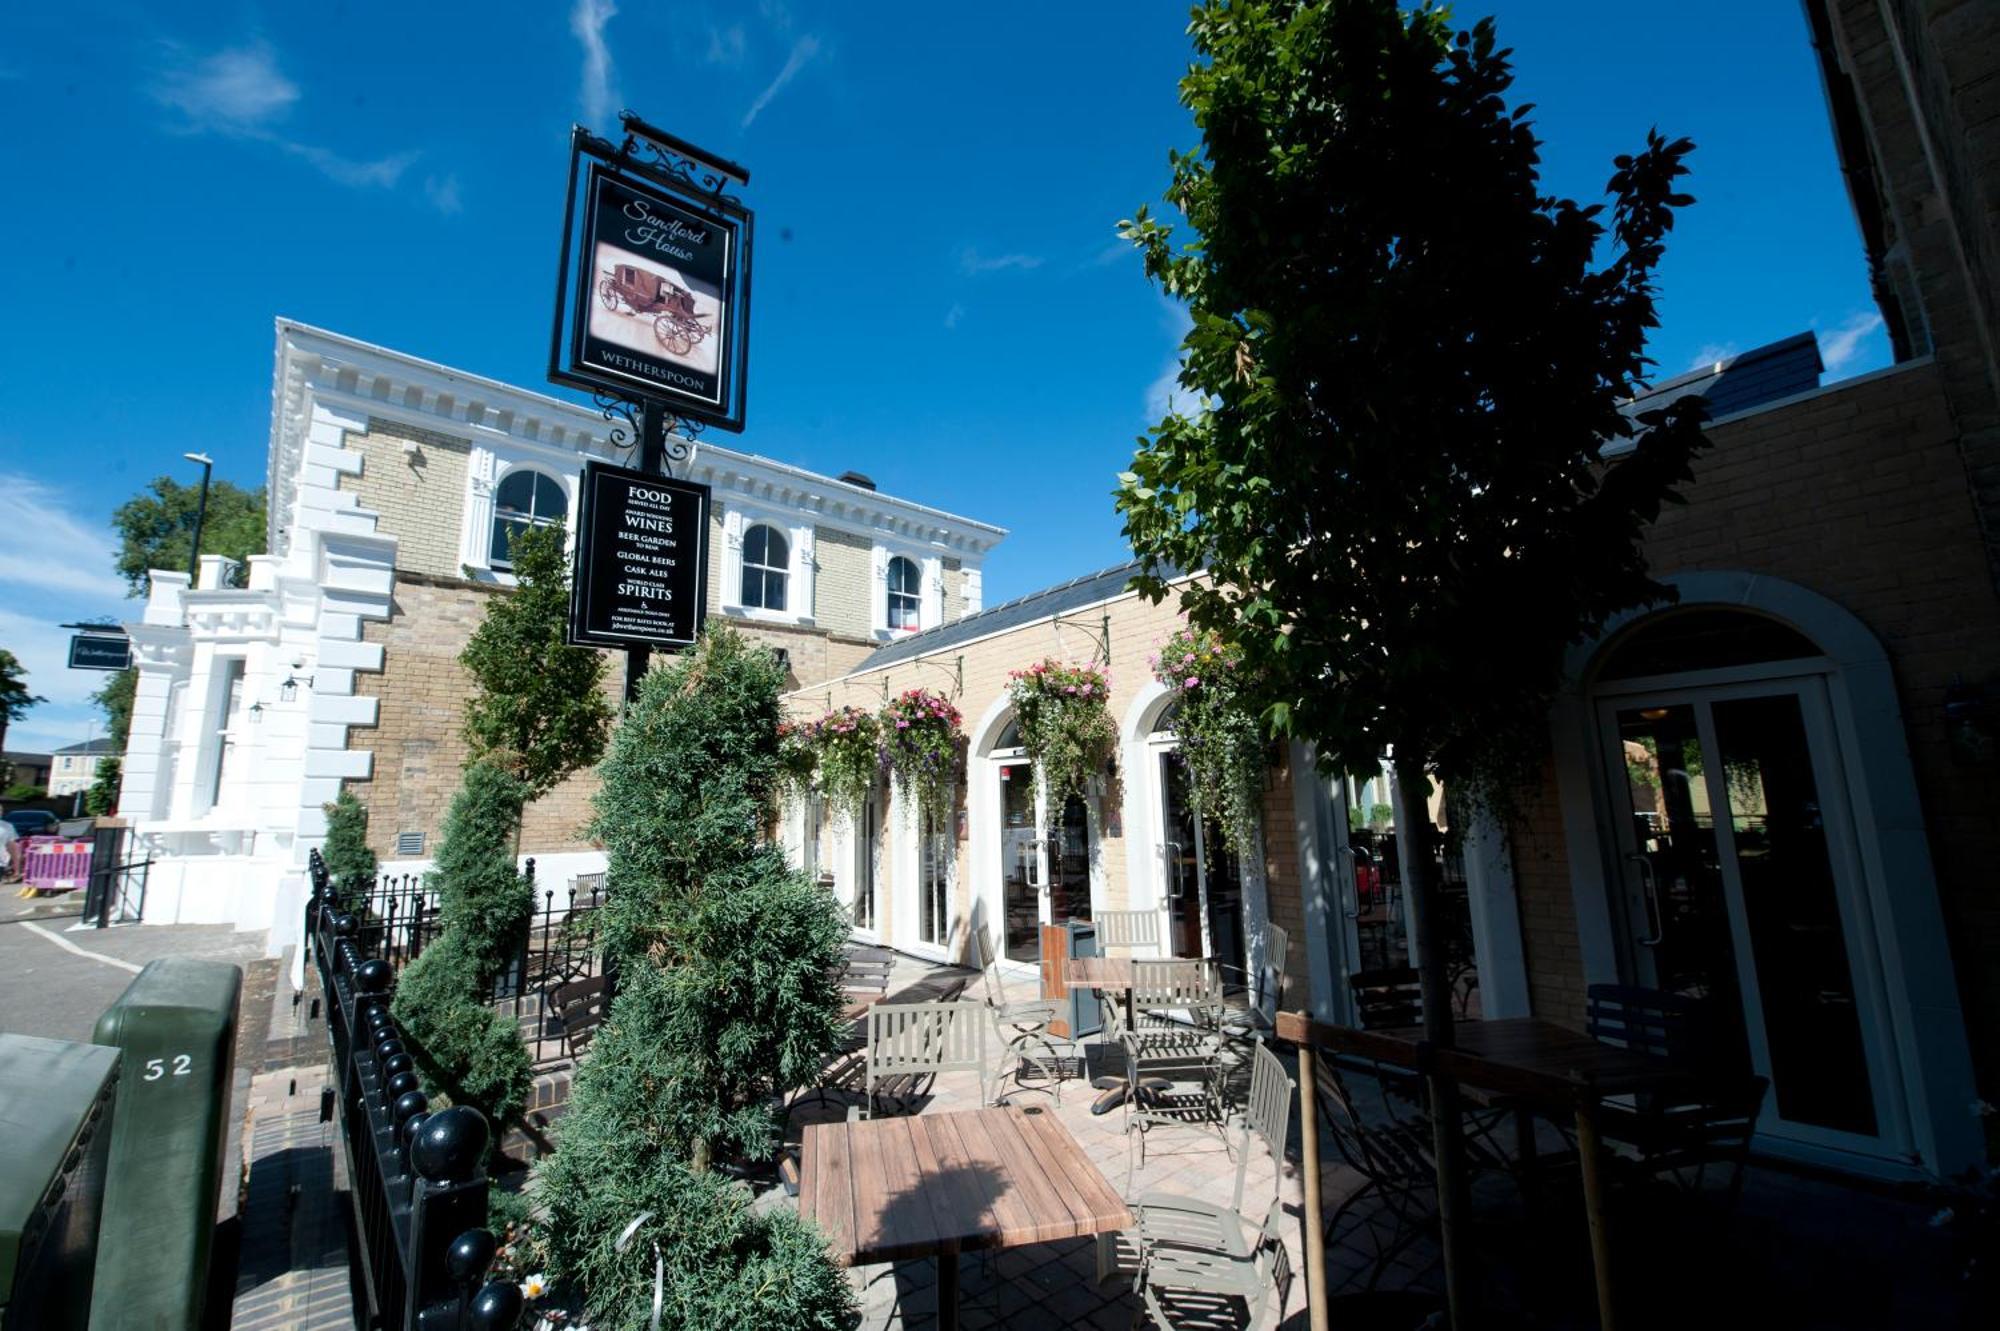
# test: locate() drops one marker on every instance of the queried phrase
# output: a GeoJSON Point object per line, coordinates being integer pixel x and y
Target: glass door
{"type": "Point", "coordinates": [867, 831]}
{"type": "Point", "coordinates": [1204, 876]}
{"type": "Point", "coordinates": [1020, 867]}
{"type": "Point", "coordinates": [1068, 861]}
{"type": "Point", "coordinates": [1744, 894]}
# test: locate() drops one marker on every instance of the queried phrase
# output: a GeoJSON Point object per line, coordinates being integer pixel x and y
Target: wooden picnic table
{"type": "Point", "coordinates": [892, 1189]}
{"type": "Point", "coordinates": [1516, 1060]}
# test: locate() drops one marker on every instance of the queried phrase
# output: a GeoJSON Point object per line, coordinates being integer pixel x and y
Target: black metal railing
{"type": "Point", "coordinates": [397, 917]}
{"type": "Point", "coordinates": [116, 890]}
{"type": "Point", "coordinates": [417, 1182]}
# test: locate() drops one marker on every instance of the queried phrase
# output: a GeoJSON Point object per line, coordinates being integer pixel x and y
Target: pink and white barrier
{"type": "Point", "coordinates": [53, 863]}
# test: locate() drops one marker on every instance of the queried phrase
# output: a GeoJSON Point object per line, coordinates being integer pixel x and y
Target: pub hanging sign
{"type": "Point", "coordinates": [641, 572]}
{"type": "Point", "coordinates": [658, 302]}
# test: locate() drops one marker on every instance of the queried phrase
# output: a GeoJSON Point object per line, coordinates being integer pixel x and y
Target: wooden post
{"type": "Point", "coordinates": [1590, 1161]}
{"type": "Point", "coordinates": [1315, 1226]}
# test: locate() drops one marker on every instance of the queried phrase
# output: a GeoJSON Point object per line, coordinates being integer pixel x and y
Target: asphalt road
{"type": "Point", "coordinates": [57, 979]}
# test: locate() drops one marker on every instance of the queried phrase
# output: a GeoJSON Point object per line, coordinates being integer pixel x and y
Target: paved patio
{"type": "Point", "coordinates": [1797, 1251]}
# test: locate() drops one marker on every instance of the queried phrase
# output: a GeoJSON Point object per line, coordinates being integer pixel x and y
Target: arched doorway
{"type": "Point", "coordinates": [1038, 861]}
{"type": "Point", "coordinates": [1744, 830]}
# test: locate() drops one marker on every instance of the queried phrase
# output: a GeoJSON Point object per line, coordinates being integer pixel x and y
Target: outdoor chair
{"type": "Point", "coordinates": [1386, 998]}
{"type": "Point", "coordinates": [1257, 1020]}
{"type": "Point", "coordinates": [1129, 931]}
{"type": "Point", "coordinates": [909, 1044]}
{"type": "Point", "coordinates": [1022, 1026]}
{"type": "Point", "coordinates": [1392, 1156]}
{"type": "Point", "coordinates": [1675, 1134]}
{"type": "Point", "coordinates": [1174, 1072]}
{"type": "Point", "coordinates": [1194, 1254]}
{"type": "Point", "coordinates": [1393, 997]}
{"type": "Point", "coordinates": [1177, 992]}
{"type": "Point", "coordinates": [577, 1009]}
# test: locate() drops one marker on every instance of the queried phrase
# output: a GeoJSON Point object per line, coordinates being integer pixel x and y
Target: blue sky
{"type": "Point", "coordinates": [941, 298]}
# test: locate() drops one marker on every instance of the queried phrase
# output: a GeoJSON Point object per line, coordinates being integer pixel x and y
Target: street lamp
{"type": "Point", "coordinates": [200, 512]}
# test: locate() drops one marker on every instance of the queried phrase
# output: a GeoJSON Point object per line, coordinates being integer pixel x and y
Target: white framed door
{"type": "Point", "coordinates": [1740, 886]}
{"type": "Point", "coordinates": [1046, 858]}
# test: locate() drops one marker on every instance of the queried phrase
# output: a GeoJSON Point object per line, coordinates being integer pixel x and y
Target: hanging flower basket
{"type": "Point", "coordinates": [837, 755]}
{"type": "Point", "coordinates": [1221, 737]}
{"type": "Point", "coordinates": [1065, 720]}
{"type": "Point", "coordinates": [922, 745]}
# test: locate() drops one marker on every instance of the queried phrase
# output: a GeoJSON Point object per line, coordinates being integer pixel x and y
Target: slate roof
{"type": "Point", "coordinates": [1748, 379]}
{"type": "Point", "coordinates": [1072, 595]}
{"type": "Point", "coordinates": [105, 745]}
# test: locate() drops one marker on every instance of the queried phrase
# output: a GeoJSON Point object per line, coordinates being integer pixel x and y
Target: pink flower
{"type": "Point", "coordinates": [1193, 681]}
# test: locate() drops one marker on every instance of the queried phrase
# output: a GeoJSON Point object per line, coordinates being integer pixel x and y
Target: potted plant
{"type": "Point", "coordinates": [922, 746]}
{"type": "Point", "coordinates": [1065, 719]}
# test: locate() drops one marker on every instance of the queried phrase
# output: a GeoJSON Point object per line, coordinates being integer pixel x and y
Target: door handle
{"type": "Point", "coordinates": [1176, 889]}
{"type": "Point", "coordinates": [1352, 891]}
{"type": "Point", "coordinates": [1649, 892]}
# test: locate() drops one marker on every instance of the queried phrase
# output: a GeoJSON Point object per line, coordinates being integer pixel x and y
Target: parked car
{"type": "Point", "coordinates": [34, 822]}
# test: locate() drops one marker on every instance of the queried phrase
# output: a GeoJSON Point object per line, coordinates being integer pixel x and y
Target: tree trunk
{"type": "Point", "coordinates": [700, 1162]}
{"type": "Point", "coordinates": [1420, 894]}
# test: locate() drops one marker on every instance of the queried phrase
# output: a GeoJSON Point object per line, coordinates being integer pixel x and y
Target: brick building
{"type": "Point", "coordinates": [1775, 797]}
{"type": "Point", "coordinates": [393, 485]}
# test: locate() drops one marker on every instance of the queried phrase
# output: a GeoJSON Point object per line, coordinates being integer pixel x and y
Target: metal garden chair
{"type": "Point", "coordinates": [1177, 992]}
{"type": "Point", "coordinates": [1392, 1156]}
{"type": "Point", "coordinates": [1022, 1026]}
{"type": "Point", "coordinates": [1128, 930]}
{"type": "Point", "coordinates": [911, 1043]}
{"type": "Point", "coordinates": [1175, 1070]}
{"type": "Point", "coordinates": [1258, 1019]}
{"type": "Point", "coordinates": [1195, 1254]}
{"type": "Point", "coordinates": [1709, 1122]}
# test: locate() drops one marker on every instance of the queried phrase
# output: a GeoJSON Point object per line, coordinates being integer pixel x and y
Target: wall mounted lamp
{"type": "Point", "coordinates": [290, 688]}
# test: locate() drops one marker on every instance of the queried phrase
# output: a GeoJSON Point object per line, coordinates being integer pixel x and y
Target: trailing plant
{"type": "Point", "coordinates": [539, 699]}
{"type": "Point", "coordinates": [1219, 731]}
{"type": "Point", "coordinates": [798, 761]}
{"type": "Point", "coordinates": [1065, 723]}
{"type": "Point", "coordinates": [847, 756]}
{"type": "Point", "coordinates": [465, 1050]}
{"type": "Point", "coordinates": [349, 862]}
{"type": "Point", "coordinates": [922, 746]}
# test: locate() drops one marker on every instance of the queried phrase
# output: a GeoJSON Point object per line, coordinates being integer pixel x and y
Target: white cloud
{"type": "Point", "coordinates": [1843, 346]}
{"type": "Point", "coordinates": [727, 46]}
{"type": "Point", "coordinates": [443, 194]}
{"type": "Point", "coordinates": [803, 50]}
{"type": "Point", "coordinates": [586, 20]}
{"type": "Point", "coordinates": [237, 89]}
{"type": "Point", "coordinates": [1165, 394]}
{"type": "Point", "coordinates": [972, 262]}
{"type": "Point", "coordinates": [46, 548]}
{"type": "Point", "coordinates": [953, 315]}
{"type": "Point", "coordinates": [1711, 354]}
{"type": "Point", "coordinates": [242, 94]}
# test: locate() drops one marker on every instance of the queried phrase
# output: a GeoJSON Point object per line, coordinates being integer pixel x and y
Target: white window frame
{"type": "Point", "coordinates": [485, 516]}
{"type": "Point", "coordinates": [930, 581]}
{"type": "Point", "coordinates": [743, 565]}
{"type": "Point", "coordinates": [737, 519]}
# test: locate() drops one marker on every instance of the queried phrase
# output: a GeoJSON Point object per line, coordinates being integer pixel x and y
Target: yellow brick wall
{"type": "Point", "coordinates": [841, 591]}
{"type": "Point", "coordinates": [420, 496]}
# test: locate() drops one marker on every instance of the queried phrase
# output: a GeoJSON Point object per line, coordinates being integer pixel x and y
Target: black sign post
{"type": "Point", "coordinates": [100, 651]}
{"type": "Point", "coordinates": [653, 321]}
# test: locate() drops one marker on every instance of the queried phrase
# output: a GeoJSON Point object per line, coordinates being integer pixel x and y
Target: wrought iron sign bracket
{"type": "Point", "coordinates": [1102, 636]}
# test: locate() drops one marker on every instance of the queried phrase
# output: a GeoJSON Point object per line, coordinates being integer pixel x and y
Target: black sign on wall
{"type": "Point", "coordinates": [100, 651]}
{"type": "Point", "coordinates": [641, 573]}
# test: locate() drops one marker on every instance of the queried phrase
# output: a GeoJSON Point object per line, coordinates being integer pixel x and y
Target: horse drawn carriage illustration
{"type": "Point", "coordinates": [628, 287]}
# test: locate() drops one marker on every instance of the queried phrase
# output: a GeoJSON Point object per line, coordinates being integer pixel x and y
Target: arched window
{"type": "Point", "coordinates": [525, 499]}
{"type": "Point", "coordinates": [767, 563]}
{"type": "Point", "coordinates": [906, 597]}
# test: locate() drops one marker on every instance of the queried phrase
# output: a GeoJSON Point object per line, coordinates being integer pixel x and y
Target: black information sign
{"type": "Point", "coordinates": [641, 574]}
{"type": "Point", "coordinates": [100, 651]}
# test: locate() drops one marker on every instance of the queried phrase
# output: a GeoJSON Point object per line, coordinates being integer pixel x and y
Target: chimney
{"type": "Point", "coordinates": [856, 478]}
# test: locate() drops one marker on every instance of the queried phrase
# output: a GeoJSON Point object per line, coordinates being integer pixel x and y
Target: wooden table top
{"type": "Point", "coordinates": [1521, 1057]}
{"type": "Point", "coordinates": [896, 1188]}
{"type": "Point", "coordinates": [1097, 972]}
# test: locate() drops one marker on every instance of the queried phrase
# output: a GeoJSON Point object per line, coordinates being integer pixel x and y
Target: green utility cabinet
{"type": "Point", "coordinates": [176, 1027]}
{"type": "Point", "coordinates": [56, 1112]}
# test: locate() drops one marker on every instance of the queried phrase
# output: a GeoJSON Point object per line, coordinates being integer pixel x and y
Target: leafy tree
{"type": "Point", "coordinates": [1412, 363]}
{"type": "Point", "coordinates": [102, 797]}
{"type": "Point", "coordinates": [15, 700]}
{"type": "Point", "coordinates": [539, 698]}
{"type": "Point", "coordinates": [156, 527]}
{"type": "Point", "coordinates": [115, 701]}
{"type": "Point", "coordinates": [24, 790]}
{"type": "Point", "coordinates": [464, 1049]}
{"type": "Point", "coordinates": [349, 862]}
{"type": "Point", "coordinates": [725, 959]}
